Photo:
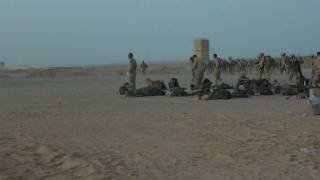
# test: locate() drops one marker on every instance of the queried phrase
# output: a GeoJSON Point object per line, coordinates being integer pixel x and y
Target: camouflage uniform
{"type": "Point", "coordinates": [287, 66]}
{"type": "Point", "coordinates": [175, 89]}
{"type": "Point", "coordinates": [200, 68]}
{"type": "Point", "coordinates": [263, 66]}
{"type": "Point", "coordinates": [143, 67]}
{"type": "Point", "coordinates": [316, 70]}
{"type": "Point", "coordinates": [146, 91]}
{"type": "Point", "coordinates": [132, 71]}
{"type": "Point", "coordinates": [217, 62]}
{"type": "Point", "coordinates": [193, 69]}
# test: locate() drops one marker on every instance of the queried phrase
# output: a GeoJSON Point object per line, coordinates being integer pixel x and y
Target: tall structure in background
{"type": "Point", "coordinates": [201, 48]}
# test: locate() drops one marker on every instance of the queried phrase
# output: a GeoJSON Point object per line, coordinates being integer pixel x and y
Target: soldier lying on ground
{"type": "Point", "coordinates": [262, 87]}
{"type": "Point", "coordinates": [175, 89]}
{"type": "Point", "coordinates": [173, 83]}
{"type": "Point", "coordinates": [301, 89]}
{"type": "Point", "coordinates": [244, 86]}
{"type": "Point", "coordinates": [206, 86]}
{"type": "Point", "coordinates": [219, 94]}
{"type": "Point", "coordinates": [157, 89]}
{"type": "Point", "coordinates": [222, 86]}
{"type": "Point", "coordinates": [146, 91]}
{"type": "Point", "coordinates": [216, 92]}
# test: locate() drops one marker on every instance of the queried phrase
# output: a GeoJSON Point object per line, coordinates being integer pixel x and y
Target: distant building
{"type": "Point", "coordinates": [201, 48]}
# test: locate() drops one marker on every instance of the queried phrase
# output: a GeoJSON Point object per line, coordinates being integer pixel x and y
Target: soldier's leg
{"type": "Point", "coordinates": [132, 81]}
{"type": "Point", "coordinates": [197, 82]}
{"type": "Point", "coordinates": [193, 78]}
{"type": "Point", "coordinates": [260, 74]}
{"type": "Point", "coordinates": [220, 77]}
{"type": "Point", "coordinates": [268, 74]}
{"type": "Point", "coordinates": [216, 79]}
{"type": "Point", "coordinates": [290, 76]}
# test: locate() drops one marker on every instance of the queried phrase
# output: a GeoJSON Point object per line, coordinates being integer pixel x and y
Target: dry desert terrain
{"type": "Point", "coordinates": [55, 126]}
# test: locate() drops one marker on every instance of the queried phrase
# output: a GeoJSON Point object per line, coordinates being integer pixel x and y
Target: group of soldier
{"type": "Point", "coordinates": [199, 66]}
{"type": "Point", "coordinates": [264, 65]}
{"type": "Point", "coordinates": [291, 65]}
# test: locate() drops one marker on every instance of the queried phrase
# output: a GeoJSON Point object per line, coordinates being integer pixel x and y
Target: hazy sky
{"type": "Point", "coordinates": [78, 32]}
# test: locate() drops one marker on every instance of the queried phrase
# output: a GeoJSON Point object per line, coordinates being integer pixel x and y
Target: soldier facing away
{"type": "Point", "coordinates": [132, 71]}
{"type": "Point", "coordinates": [263, 66]}
{"type": "Point", "coordinates": [143, 67]}
{"type": "Point", "coordinates": [217, 62]}
{"type": "Point", "coordinates": [200, 67]}
{"type": "Point", "coordinates": [287, 66]}
{"type": "Point", "coordinates": [193, 69]}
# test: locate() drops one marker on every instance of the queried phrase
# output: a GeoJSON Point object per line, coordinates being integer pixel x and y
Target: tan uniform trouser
{"type": "Point", "coordinates": [193, 77]}
{"type": "Point", "coordinates": [198, 80]}
{"type": "Point", "coordinates": [217, 77]}
{"type": "Point", "coordinates": [265, 74]}
{"type": "Point", "coordinates": [290, 74]}
{"type": "Point", "coordinates": [132, 80]}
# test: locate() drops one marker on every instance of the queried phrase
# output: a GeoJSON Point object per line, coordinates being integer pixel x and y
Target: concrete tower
{"type": "Point", "coordinates": [201, 48]}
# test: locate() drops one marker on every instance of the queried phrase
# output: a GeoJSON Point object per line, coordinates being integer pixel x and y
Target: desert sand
{"type": "Point", "coordinates": [58, 126]}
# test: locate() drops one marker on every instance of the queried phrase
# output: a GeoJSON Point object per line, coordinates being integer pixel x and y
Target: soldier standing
{"type": "Point", "coordinates": [217, 62]}
{"type": "Point", "coordinates": [132, 71]}
{"type": "Point", "coordinates": [143, 67]}
{"type": "Point", "coordinates": [200, 67]}
{"type": "Point", "coordinates": [193, 63]}
{"type": "Point", "coordinates": [315, 74]}
{"type": "Point", "coordinates": [263, 66]}
{"type": "Point", "coordinates": [287, 66]}
{"type": "Point", "coordinates": [296, 65]}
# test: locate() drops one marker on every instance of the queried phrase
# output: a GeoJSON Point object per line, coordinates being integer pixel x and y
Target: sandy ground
{"type": "Point", "coordinates": [80, 128]}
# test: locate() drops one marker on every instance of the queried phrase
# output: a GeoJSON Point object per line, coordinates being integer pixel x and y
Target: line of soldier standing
{"type": "Point", "coordinates": [264, 65]}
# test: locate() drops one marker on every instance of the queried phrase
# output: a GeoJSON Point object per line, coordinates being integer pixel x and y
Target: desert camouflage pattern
{"type": "Point", "coordinates": [132, 72]}
{"type": "Point", "coordinates": [200, 68]}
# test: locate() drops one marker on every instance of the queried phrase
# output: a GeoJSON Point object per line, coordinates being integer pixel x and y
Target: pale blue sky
{"type": "Point", "coordinates": [79, 32]}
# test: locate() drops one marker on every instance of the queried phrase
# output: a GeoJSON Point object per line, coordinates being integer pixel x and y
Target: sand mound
{"type": "Point", "coordinates": [22, 158]}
